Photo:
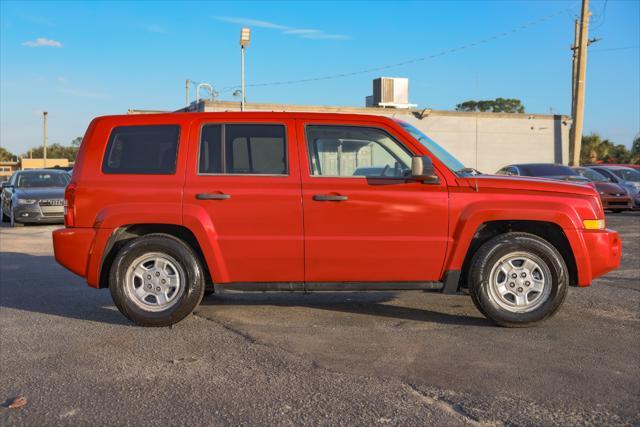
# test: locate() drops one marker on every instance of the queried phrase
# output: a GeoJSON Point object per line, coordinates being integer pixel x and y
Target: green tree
{"type": "Point", "coordinates": [76, 142]}
{"type": "Point", "coordinates": [595, 149]}
{"type": "Point", "coordinates": [6, 155]}
{"type": "Point", "coordinates": [55, 151]}
{"type": "Point", "coordinates": [498, 105]}
{"type": "Point", "coordinates": [634, 155]}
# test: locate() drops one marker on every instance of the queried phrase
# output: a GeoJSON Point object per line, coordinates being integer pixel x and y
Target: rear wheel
{"type": "Point", "coordinates": [617, 210]}
{"type": "Point", "coordinates": [518, 279]}
{"type": "Point", "coordinates": [156, 280]}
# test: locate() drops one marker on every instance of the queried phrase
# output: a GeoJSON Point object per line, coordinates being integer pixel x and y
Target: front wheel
{"type": "Point", "coordinates": [156, 280]}
{"type": "Point", "coordinates": [12, 218]}
{"type": "Point", "coordinates": [518, 279]}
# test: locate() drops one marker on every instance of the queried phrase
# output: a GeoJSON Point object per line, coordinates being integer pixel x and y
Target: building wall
{"type": "Point", "coordinates": [7, 169]}
{"type": "Point", "coordinates": [485, 141]}
{"type": "Point", "coordinates": [489, 143]}
{"type": "Point", "coordinates": [26, 164]}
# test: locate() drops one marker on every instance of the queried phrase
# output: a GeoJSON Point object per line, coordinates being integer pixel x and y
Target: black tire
{"type": "Point", "coordinates": [5, 217]}
{"type": "Point", "coordinates": [180, 252]}
{"type": "Point", "coordinates": [13, 222]}
{"type": "Point", "coordinates": [500, 246]}
{"type": "Point", "coordinates": [617, 210]}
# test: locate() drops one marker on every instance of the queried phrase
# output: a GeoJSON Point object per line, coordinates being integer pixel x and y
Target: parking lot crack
{"type": "Point", "coordinates": [230, 328]}
{"type": "Point", "coordinates": [454, 410]}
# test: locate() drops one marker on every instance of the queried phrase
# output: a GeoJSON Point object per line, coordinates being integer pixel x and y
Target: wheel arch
{"type": "Point", "coordinates": [126, 233]}
{"type": "Point", "coordinates": [549, 231]}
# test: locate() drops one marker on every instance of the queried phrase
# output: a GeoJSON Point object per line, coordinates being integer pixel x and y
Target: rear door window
{"type": "Point", "coordinates": [142, 150]}
{"type": "Point", "coordinates": [243, 149]}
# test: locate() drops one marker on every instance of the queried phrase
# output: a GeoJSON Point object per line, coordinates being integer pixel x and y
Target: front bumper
{"type": "Point", "coordinates": [34, 214]}
{"type": "Point", "coordinates": [616, 202]}
{"type": "Point", "coordinates": [602, 254]}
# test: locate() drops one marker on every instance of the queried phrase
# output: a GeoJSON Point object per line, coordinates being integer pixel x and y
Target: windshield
{"type": "Point", "coordinates": [443, 155]}
{"type": "Point", "coordinates": [592, 175]}
{"type": "Point", "coordinates": [627, 174]}
{"type": "Point", "coordinates": [42, 179]}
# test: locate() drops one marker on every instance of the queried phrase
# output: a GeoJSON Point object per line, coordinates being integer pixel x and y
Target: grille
{"type": "Point", "coordinates": [52, 202]}
{"type": "Point", "coordinates": [52, 208]}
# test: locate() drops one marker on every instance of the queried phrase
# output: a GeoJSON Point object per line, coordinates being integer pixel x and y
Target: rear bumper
{"type": "Point", "coordinates": [72, 247]}
{"type": "Point", "coordinates": [602, 254]}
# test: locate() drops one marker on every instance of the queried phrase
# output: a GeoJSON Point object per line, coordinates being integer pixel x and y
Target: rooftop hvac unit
{"type": "Point", "coordinates": [391, 92]}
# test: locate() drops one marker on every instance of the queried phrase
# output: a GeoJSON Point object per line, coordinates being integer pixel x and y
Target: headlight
{"type": "Point", "coordinates": [26, 201]}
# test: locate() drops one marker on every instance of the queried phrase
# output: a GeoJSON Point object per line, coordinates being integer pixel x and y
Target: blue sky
{"type": "Point", "coordinates": [78, 60]}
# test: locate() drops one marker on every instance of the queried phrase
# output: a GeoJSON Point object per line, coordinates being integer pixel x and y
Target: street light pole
{"type": "Point", "coordinates": [245, 37]}
{"type": "Point", "coordinates": [44, 138]}
{"type": "Point", "coordinates": [186, 93]}
{"type": "Point", "coordinates": [242, 78]}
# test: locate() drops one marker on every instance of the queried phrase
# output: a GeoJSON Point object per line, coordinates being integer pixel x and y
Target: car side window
{"type": "Point", "coordinates": [354, 151]}
{"type": "Point", "coordinates": [146, 150]}
{"type": "Point", "coordinates": [243, 149]}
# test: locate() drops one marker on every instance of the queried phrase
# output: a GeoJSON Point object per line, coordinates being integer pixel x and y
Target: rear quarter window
{"type": "Point", "coordinates": [148, 150]}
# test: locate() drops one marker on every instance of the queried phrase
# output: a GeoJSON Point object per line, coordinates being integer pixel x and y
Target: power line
{"type": "Point", "coordinates": [616, 48]}
{"type": "Point", "coordinates": [602, 15]}
{"type": "Point", "coordinates": [410, 61]}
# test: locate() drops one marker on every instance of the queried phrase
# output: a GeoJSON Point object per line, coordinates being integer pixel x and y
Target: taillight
{"type": "Point", "coordinates": [69, 205]}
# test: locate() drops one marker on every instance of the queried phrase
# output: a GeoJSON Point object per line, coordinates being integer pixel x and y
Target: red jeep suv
{"type": "Point", "coordinates": [165, 208]}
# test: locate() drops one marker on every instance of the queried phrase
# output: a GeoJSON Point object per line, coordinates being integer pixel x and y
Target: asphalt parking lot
{"type": "Point", "coordinates": [379, 358]}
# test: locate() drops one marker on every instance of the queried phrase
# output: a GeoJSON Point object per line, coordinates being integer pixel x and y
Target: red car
{"type": "Point", "coordinates": [614, 197]}
{"type": "Point", "coordinates": [164, 208]}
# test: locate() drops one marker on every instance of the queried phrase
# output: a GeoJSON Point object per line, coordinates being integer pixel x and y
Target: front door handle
{"type": "Point", "coordinates": [329, 198]}
{"type": "Point", "coordinates": [213, 196]}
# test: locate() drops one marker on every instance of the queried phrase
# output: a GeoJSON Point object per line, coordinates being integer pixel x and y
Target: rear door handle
{"type": "Point", "coordinates": [213, 196]}
{"type": "Point", "coordinates": [329, 198]}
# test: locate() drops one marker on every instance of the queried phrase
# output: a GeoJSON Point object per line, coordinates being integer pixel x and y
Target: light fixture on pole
{"type": "Point", "coordinates": [245, 37]}
{"type": "Point", "coordinates": [44, 138]}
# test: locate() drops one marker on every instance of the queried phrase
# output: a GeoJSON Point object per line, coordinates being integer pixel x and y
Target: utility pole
{"type": "Point", "coordinates": [44, 139]}
{"type": "Point", "coordinates": [575, 143]}
{"type": "Point", "coordinates": [574, 65]}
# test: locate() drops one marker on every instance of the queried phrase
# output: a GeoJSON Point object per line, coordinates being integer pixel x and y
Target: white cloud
{"type": "Point", "coordinates": [248, 22]}
{"type": "Point", "coordinates": [315, 34]}
{"type": "Point", "coordinates": [305, 33]}
{"type": "Point", "coordinates": [42, 42]}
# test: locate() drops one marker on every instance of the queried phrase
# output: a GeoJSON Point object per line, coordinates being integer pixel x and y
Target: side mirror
{"type": "Point", "coordinates": [422, 170]}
